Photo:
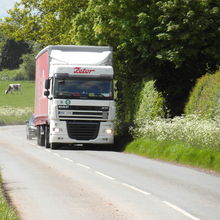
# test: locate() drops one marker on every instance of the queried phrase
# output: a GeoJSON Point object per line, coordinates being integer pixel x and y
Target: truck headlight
{"type": "Point", "coordinates": [109, 131]}
{"type": "Point", "coordinates": [57, 130]}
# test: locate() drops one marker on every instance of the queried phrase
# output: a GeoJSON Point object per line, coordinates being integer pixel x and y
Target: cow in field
{"type": "Point", "coordinates": [13, 87]}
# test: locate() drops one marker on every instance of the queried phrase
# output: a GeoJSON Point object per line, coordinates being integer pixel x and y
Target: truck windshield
{"type": "Point", "coordinates": [83, 89]}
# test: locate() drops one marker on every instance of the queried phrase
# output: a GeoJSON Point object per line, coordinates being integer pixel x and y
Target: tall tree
{"type": "Point", "coordinates": [12, 52]}
{"type": "Point", "coordinates": [43, 21]}
{"type": "Point", "coordinates": [2, 43]}
{"type": "Point", "coordinates": [173, 41]}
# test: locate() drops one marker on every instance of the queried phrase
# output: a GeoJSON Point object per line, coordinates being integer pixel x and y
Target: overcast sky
{"type": "Point", "coordinates": [5, 5]}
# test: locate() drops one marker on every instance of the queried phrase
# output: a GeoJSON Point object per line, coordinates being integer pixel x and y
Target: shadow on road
{"type": "Point", "coordinates": [119, 146]}
{"type": "Point", "coordinates": [88, 147]}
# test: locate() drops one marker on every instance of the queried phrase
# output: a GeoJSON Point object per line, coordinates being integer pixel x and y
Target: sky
{"type": "Point", "coordinates": [5, 5]}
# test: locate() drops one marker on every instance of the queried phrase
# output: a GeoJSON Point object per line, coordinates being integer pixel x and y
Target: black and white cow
{"type": "Point", "coordinates": [13, 87]}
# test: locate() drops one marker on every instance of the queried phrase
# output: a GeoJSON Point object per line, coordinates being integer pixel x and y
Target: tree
{"type": "Point", "coordinates": [2, 43]}
{"type": "Point", "coordinates": [12, 52]}
{"type": "Point", "coordinates": [27, 68]}
{"type": "Point", "coordinates": [43, 21]}
{"type": "Point", "coordinates": [172, 41]}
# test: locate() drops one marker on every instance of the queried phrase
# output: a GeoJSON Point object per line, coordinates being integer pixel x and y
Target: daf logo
{"type": "Point", "coordinates": [67, 102]}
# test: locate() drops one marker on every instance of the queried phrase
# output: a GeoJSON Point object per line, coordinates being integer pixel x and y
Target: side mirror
{"type": "Point", "coordinates": [47, 84]}
{"type": "Point", "coordinates": [47, 93]}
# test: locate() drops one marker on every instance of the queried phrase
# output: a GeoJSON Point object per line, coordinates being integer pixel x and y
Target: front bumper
{"type": "Point", "coordinates": [59, 134]}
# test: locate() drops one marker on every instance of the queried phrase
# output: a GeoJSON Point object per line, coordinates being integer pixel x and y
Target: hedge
{"type": "Point", "coordinates": [204, 99]}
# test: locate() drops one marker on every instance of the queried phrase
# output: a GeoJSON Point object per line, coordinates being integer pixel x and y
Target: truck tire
{"type": "Point", "coordinates": [54, 146]}
{"type": "Point", "coordinates": [28, 137]}
{"type": "Point", "coordinates": [40, 136]}
{"type": "Point", "coordinates": [47, 134]}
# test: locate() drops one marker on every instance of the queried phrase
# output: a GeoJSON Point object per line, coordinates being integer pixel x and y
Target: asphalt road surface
{"type": "Point", "coordinates": [68, 184]}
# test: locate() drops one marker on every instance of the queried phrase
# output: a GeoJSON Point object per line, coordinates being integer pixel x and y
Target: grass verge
{"type": "Point", "coordinates": [6, 211]}
{"type": "Point", "coordinates": [15, 108]}
{"type": "Point", "coordinates": [14, 116]}
{"type": "Point", "coordinates": [207, 158]}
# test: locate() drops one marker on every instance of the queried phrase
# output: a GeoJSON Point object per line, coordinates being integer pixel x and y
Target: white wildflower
{"type": "Point", "coordinates": [189, 129]}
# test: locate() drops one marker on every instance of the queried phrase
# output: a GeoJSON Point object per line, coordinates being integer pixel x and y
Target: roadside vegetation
{"type": "Point", "coordinates": [192, 130]}
{"type": "Point", "coordinates": [6, 211]}
{"type": "Point", "coordinates": [187, 140]}
{"type": "Point", "coordinates": [192, 138]}
{"type": "Point", "coordinates": [204, 99]}
{"type": "Point", "coordinates": [15, 108]}
{"type": "Point", "coordinates": [177, 152]}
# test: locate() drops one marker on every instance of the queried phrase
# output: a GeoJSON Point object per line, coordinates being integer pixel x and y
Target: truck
{"type": "Point", "coordinates": [74, 96]}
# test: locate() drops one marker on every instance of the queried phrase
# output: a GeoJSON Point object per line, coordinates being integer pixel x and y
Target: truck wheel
{"type": "Point", "coordinates": [47, 133]}
{"type": "Point", "coordinates": [54, 146]}
{"type": "Point", "coordinates": [40, 136]}
{"type": "Point", "coordinates": [28, 137]}
{"type": "Point", "coordinates": [28, 134]}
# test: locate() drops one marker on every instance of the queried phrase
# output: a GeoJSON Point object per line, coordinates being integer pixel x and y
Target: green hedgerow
{"type": "Point", "coordinates": [204, 99]}
{"type": "Point", "coordinates": [151, 102]}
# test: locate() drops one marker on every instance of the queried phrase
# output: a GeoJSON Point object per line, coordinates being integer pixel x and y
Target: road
{"type": "Point", "coordinates": [68, 184]}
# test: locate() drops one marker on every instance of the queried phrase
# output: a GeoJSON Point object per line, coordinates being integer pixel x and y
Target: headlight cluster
{"type": "Point", "coordinates": [57, 130]}
{"type": "Point", "coordinates": [109, 131]}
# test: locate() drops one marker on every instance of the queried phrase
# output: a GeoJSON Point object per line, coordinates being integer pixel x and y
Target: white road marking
{"type": "Point", "coordinates": [125, 184]}
{"type": "Point", "coordinates": [65, 158]}
{"type": "Point", "coordinates": [82, 165]}
{"type": "Point", "coordinates": [180, 210]}
{"type": "Point", "coordinates": [104, 175]}
{"type": "Point", "coordinates": [136, 189]}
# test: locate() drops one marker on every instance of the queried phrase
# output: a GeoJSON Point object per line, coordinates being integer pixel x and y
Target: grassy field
{"type": "Point", "coordinates": [16, 107]}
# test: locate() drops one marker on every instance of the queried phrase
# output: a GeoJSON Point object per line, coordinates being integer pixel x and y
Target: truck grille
{"type": "Point", "coordinates": [83, 112]}
{"type": "Point", "coordinates": [80, 130]}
